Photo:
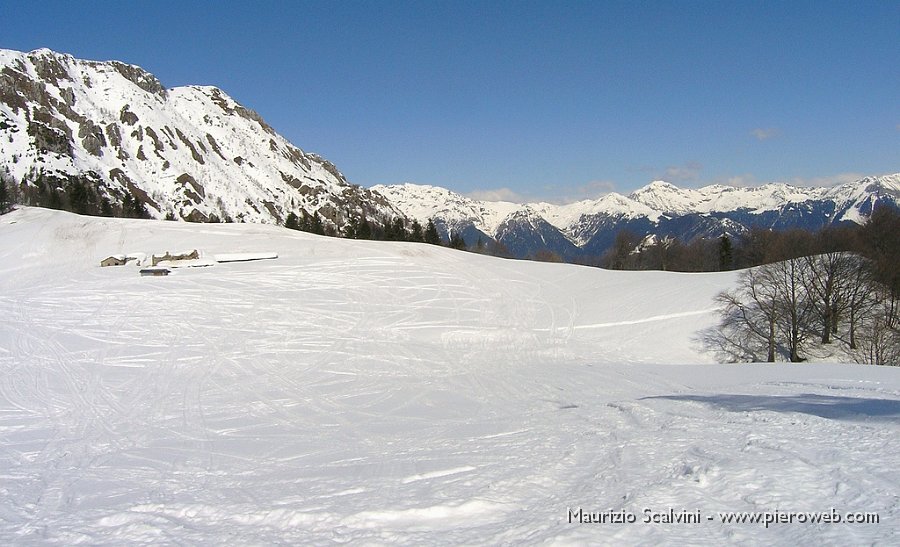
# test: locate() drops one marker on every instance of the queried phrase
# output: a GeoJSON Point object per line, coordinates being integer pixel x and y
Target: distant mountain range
{"type": "Point", "coordinates": [193, 153]}
{"type": "Point", "coordinates": [588, 228]}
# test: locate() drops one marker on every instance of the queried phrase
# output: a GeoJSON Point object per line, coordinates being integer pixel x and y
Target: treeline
{"type": "Point", "coordinates": [630, 251]}
{"type": "Point", "coordinates": [391, 229]}
{"type": "Point", "coordinates": [835, 286]}
{"type": "Point", "coordinates": [81, 194]}
{"type": "Point", "coordinates": [76, 193]}
{"type": "Point", "coordinates": [755, 247]}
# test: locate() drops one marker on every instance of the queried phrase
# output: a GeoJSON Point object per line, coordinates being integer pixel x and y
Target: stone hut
{"type": "Point", "coordinates": [114, 260]}
{"type": "Point", "coordinates": [187, 255]}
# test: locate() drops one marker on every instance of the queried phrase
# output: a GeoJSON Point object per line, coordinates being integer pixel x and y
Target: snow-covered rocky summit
{"type": "Point", "coordinates": [189, 152]}
{"type": "Point", "coordinates": [668, 199]}
{"type": "Point", "coordinates": [659, 208]}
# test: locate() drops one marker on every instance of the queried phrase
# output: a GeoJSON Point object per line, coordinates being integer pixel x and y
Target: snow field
{"type": "Point", "coordinates": [365, 392]}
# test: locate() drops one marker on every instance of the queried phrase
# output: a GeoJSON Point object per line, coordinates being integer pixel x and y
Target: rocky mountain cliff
{"type": "Point", "coordinates": [108, 136]}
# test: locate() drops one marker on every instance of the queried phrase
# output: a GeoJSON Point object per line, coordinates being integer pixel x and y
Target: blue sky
{"type": "Point", "coordinates": [537, 100]}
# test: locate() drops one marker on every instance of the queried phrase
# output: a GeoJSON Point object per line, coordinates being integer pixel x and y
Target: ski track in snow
{"type": "Point", "coordinates": [355, 392]}
{"type": "Point", "coordinates": [648, 319]}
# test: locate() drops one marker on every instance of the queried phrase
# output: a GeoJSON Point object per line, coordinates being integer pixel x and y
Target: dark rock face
{"type": "Point", "coordinates": [51, 137]}
{"type": "Point", "coordinates": [49, 67]}
{"type": "Point", "coordinates": [92, 138]}
{"type": "Point", "coordinates": [232, 108]}
{"type": "Point", "coordinates": [140, 78]}
{"type": "Point", "coordinates": [127, 117]}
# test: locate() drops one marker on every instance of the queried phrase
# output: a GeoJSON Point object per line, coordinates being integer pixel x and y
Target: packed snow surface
{"type": "Point", "coordinates": [396, 393]}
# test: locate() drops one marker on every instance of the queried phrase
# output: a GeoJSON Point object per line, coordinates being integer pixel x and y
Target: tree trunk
{"type": "Point", "coordinates": [795, 341]}
{"type": "Point", "coordinates": [771, 356]}
{"type": "Point", "coordinates": [826, 320]}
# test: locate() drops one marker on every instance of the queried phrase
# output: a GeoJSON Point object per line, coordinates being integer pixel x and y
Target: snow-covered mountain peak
{"type": "Point", "coordinates": [665, 197]}
{"type": "Point", "coordinates": [887, 183]}
{"type": "Point", "coordinates": [658, 186]}
{"type": "Point", "coordinates": [424, 202]}
{"type": "Point", "coordinates": [626, 206]}
{"type": "Point", "coordinates": [190, 152]}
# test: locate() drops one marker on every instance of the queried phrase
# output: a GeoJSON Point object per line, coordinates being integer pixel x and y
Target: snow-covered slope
{"type": "Point", "coordinates": [388, 393]}
{"type": "Point", "coordinates": [659, 208]}
{"type": "Point", "coordinates": [855, 201]}
{"type": "Point", "coordinates": [424, 202]}
{"type": "Point", "coordinates": [190, 151]}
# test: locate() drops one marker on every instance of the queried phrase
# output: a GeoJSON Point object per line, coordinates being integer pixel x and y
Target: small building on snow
{"type": "Point", "coordinates": [114, 260]}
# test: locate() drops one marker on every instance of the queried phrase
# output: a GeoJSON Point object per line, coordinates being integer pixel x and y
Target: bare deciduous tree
{"type": "Point", "coordinates": [860, 298]}
{"type": "Point", "coordinates": [750, 316]}
{"type": "Point", "coordinates": [826, 278]}
{"type": "Point", "coordinates": [879, 344]}
{"type": "Point", "coordinates": [794, 306]}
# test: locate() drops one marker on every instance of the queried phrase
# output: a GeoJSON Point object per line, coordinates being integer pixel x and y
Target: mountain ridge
{"type": "Point", "coordinates": [189, 152]}
{"type": "Point", "coordinates": [724, 209]}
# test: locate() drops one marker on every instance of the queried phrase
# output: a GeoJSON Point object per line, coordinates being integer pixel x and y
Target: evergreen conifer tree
{"type": "Point", "coordinates": [388, 231]}
{"type": "Point", "coordinates": [364, 229]}
{"type": "Point", "coordinates": [399, 229]}
{"type": "Point", "coordinates": [416, 233]}
{"type": "Point", "coordinates": [431, 234]}
{"type": "Point", "coordinates": [317, 227]}
{"type": "Point", "coordinates": [456, 241]}
{"type": "Point", "coordinates": [4, 197]}
{"type": "Point", "coordinates": [350, 230]}
{"type": "Point", "coordinates": [306, 222]}
{"type": "Point", "coordinates": [292, 222]}
{"type": "Point", "coordinates": [726, 260]}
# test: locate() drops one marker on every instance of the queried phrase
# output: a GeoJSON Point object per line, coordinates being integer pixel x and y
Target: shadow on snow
{"type": "Point", "coordinates": [824, 406]}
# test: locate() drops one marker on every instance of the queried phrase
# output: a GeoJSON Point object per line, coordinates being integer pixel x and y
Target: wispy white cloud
{"type": "Point", "coordinates": [764, 134]}
{"type": "Point", "coordinates": [684, 174]}
{"type": "Point", "coordinates": [739, 181]}
{"type": "Point", "coordinates": [497, 194]}
{"type": "Point", "coordinates": [597, 188]}
{"type": "Point", "coordinates": [556, 194]}
{"type": "Point", "coordinates": [689, 172]}
{"type": "Point", "coordinates": [748, 179]}
{"type": "Point", "coordinates": [590, 190]}
{"type": "Point", "coordinates": [831, 180]}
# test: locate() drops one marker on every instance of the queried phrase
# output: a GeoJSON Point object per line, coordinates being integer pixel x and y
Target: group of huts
{"type": "Point", "coordinates": [152, 266]}
{"type": "Point", "coordinates": [160, 264]}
